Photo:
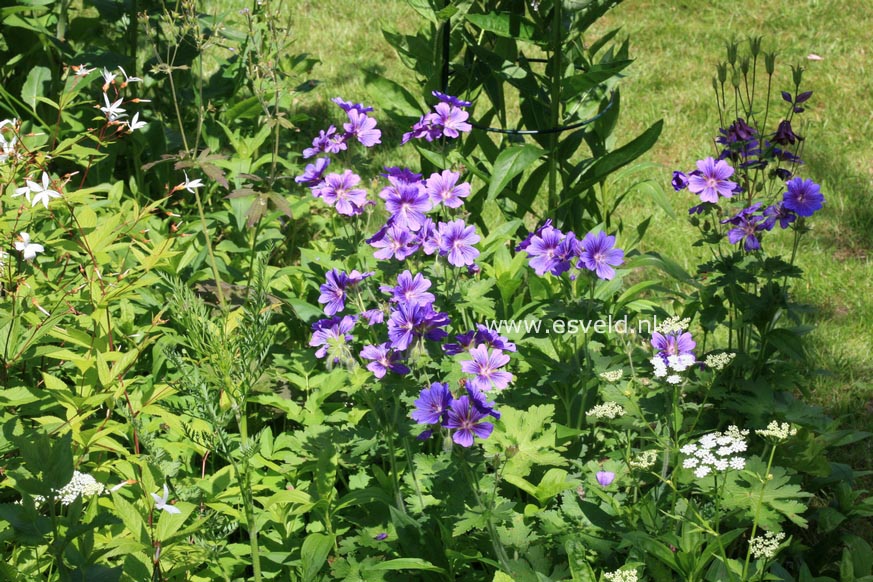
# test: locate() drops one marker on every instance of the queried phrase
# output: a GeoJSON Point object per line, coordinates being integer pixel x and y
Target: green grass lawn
{"type": "Point", "coordinates": [676, 46]}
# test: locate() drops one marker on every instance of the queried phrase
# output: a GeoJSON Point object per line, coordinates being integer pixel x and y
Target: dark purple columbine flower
{"type": "Point", "coordinates": [712, 181]}
{"type": "Point", "coordinates": [542, 249]}
{"type": "Point", "coordinates": [410, 322]}
{"type": "Point", "coordinates": [481, 403]}
{"type": "Point", "coordinates": [409, 289]}
{"type": "Point", "coordinates": [363, 128]}
{"type": "Point", "coordinates": [432, 404]}
{"type": "Point", "coordinates": [466, 420]}
{"type": "Point", "coordinates": [407, 203]}
{"type": "Point", "coordinates": [452, 119]}
{"type": "Point", "coordinates": [782, 174]}
{"type": "Point", "coordinates": [605, 478]}
{"type": "Point", "coordinates": [785, 135]}
{"type": "Point", "coordinates": [526, 242]}
{"type": "Point", "coordinates": [680, 181]}
{"type": "Point", "coordinates": [451, 100]}
{"type": "Point", "coordinates": [312, 174]}
{"type": "Point", "coordinates": [332, 337]}
{"type": "Point", "coordinates": [736, 139]}
{"type": "Point", "coordinates": [444, 188]}
{"type": "Point", "coordinates": [803, 197]}
{"type": "Point", "coordinates": [396, 175]}
{"type": "Point", "coordinates": [673, 344]}
{"type": "Point", "coordinates": [778, 212]}
{"type": "Point", "coordinates": [339, 190]}
{"type": "Point", "coordinates": [699, 209]}
{"type": "Point", "coordinates": [333, 292]}
{"type": "Point", "coordinates": [383, 359]}
{"type": "Point", "coordinates": [395, 242]}
{"type": "Point", "coordinates": [599, 255]}
{"type": "Point", "coordinates": [485, 367]}
{"type": "Point", "coordinates": [456, 241]}
{"type": "Point", "coordinates": [786, 156]}
{"type": "Point", "coordinates": [346, 106]}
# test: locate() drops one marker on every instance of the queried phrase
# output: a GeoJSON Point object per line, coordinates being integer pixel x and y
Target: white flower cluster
{"type": "Point", "coordinates": [719, 361]}
{"type": "Point", "coordinates": [674, 364]}
{"type": "Point", "coordinates": [716, 451]}
{"type": "Point", "coordinates": [81, 484]}
{"type": "Point", "coordinates": [621, 576]}
{"type": "Point", "coordinates": [767, 545]}
{"type": "Point", "coordinates": [673, 325]}
{"type": "Point", "coordinates": [612, 375]}
{"type": "Point", "coordinates": [777, 431]}
{"type": "Point", "coordinates": [645, 460]}
{"type": "Point", "coordinates": [608, 410]}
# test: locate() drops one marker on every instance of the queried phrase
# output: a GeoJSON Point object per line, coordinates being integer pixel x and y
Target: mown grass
{"type": "Point", "coordinates": [676, 46]}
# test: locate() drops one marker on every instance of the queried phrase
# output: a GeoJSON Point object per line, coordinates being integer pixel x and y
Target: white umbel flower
{"type": "Point", "coordinates": [610, 410]}
{"type": "Point", "coordinates": [621, 576]}
{"type": "Point", "coordinates": [716, 452]}
{"type": "Point", "coordinates": [719, 361]}
{"type": "Point", "coordinates": [777, 431]}
{"type": "Point", "coordinates": [767, 545]}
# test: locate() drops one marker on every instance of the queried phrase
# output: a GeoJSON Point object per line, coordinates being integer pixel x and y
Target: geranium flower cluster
{"type": "Point", "coordinates": [447, 120]}
{"type": "Point", "coordinates": [552, 251]}
{"type": "Point", "coordinates": [750, 152]}
{"type": "Point", "coordinates": [408, 198]}
{"type": "Point", "coordinates": [675, 350]}
{"type": "Point", "coordinates": [463, 416]}
{"type": "Point", "coordinates": [340, 190]}
{"type": "Point", "coordinates": [716, 452]}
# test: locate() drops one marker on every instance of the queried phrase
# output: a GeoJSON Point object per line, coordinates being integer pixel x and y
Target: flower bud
{"type": "Point", "coordinates": [732, 52]}
{"type": "Point", "coordinates": [755, 45]}
{"type": "Point", "coordinates": [770, 62]}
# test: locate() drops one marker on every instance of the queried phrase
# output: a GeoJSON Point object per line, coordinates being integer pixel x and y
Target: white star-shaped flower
{"type": "Point", "coordinates": [162, 504]}
{"type": "Point", "coordinates": [27, 249]}
{"type": "Point", "coordinates": [190, 185]}
{"type": "Point", "coordinates": [41, 192]}
{"type": "Point", "coordinates": [82, 70]}
{"type": "Point", "coordinates": [113, 111]}
{"type": "Point", "coordinates": [128, 79]}
{"type": "Point", "coordinates": [108, 78]}
{"type": "Point", "coordinates": [135, 123]}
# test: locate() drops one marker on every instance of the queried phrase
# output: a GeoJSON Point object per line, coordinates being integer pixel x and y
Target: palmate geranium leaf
{"type": "Point", "coordinates": [779, 499]}
{"type": "Point", "coordinates": [527, 437]}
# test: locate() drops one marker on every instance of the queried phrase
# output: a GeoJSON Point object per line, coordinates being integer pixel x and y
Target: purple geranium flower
{"type": "Point", "coordinates": [481, 403]}
{"type": "Point", "coordinates": [462, 343]}
{"type": "Point", "coordinates": [333, 292]}
{"type": "Point", "coordinates": [327, 141]}
{"type": "Point", "coordinates": [312, 174]}
{"type": "Point", "coordinates": [527, 240]}
{"type": "Point", "coordinates": [598, 255]}
{"type": "Point", "coordinates": [673, 344]}
{"type": "Point", "coordinates": [451, 100]}
{"type": "Point", "coordinates": [444, 188]}
{"type": "Point", "coordinates": [384, 359]}
{"type": "Point", "coordinates": [466, 420]}
{"type": "Point", "coordinates": [363, 128]}
{"type": "Point", "coordinates": [567, 252]}
{"type": "Point", "coordinates": [401, 175]}
{"type": "Point", "coordinates": [339, 190]}
{"type": "Point", "coordinates": [492, 339]}
{"type": "Point", "coordinates": [332, 337]}
{"type": "Point", "coordinates": [542, 249]}
{"type": "Point", "coordinates": [407, 203]}
{"type": "Point", "coordinates": [346, 106]}
{"type": "Point", "coordinates": [409, 289]}
{"type": "Point", "coordinates": [778, 212]}
{"type": "Point", "coordinates": [747, 225]}
{"type": "Point", "coordinates": [680, 181]}
{"type": "Point", "coordinates": [712, 180]}
{"type": "Point", "coordinates": [452, 119]}
{"type": "Point", "coordinates": [456, 241]}
{"type": "Point", "coordinates": [605, 478]}
{"type": "Point", "coordinates": [485, 367]}
{"type": "Point", "coordinates": [803, 197]}
{"type": "Point", "coordinates": [394, 242]}
{"type": "Point", "coordinates": [426, 128]}
{"type": "Point", "coordinates": [410, 322]}
{"type": "Point", "coordinates": [432, 404]}
{"type": "Point", "coordinates": [373, 316]}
